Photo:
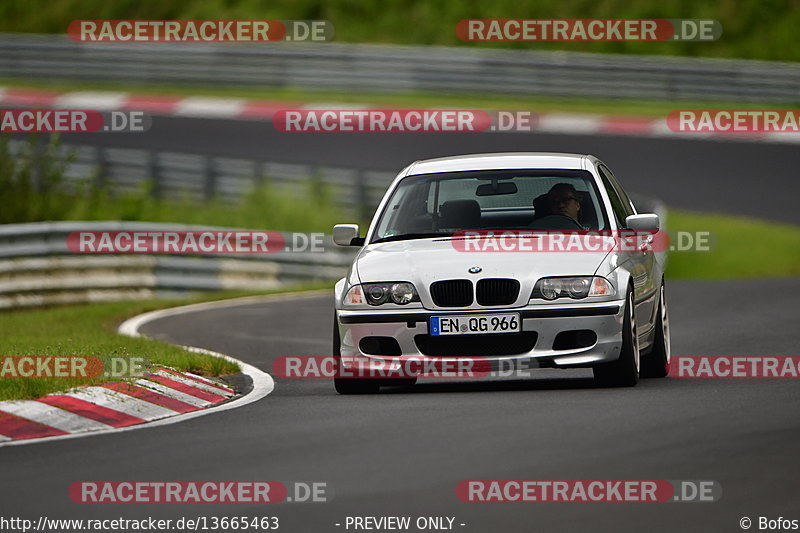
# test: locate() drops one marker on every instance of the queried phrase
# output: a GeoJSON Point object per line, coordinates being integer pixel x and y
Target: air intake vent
{"type": "Point", "coordinates": [493, 344]}
{"type": "Point", "coordinates": [497, 291]}
{"type": "Point", "coordinates": [452, 293]}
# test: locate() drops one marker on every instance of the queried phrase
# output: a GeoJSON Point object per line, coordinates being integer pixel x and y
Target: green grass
{"type": "Point", "coordinates": [740, 248]}
{"type": "Point", "coordinates": [538, 104]}
{"type": "Point", "coordinates": [90, 330]}
{"type": "Point", "coordinates": [751, 28]}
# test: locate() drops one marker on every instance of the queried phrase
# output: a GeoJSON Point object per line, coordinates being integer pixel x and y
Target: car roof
{"type": "Point", "coordinates": [497, 161]}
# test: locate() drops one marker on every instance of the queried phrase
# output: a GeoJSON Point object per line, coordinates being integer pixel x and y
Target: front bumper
{"type": "Point", "coordinates": [542, 322]}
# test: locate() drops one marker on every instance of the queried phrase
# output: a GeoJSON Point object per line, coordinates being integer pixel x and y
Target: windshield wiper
{"type": "Point", "coordinates": [409, 236]}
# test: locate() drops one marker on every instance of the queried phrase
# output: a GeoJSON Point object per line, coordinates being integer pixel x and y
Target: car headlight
{"type": "Point", "coordinates": [400, 293]}
{"type": "Point", "coordinates": [377, 294]}
{"type": "Point", "coordinates": [403, 293]}
{"type": "Point", "coordinates": [572, 287]}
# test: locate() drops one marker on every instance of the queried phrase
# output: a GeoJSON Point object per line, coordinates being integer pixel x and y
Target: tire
{"type": "Point", "coordinates": [350, 385]}
{"type": "Point", "coordinates": [656, 363]}
{"type": "Point", "coordinates": [624, 372]}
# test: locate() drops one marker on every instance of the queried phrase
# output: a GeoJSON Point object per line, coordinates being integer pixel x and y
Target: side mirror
{"type": "Point", "coordinates": [347, 235]}
{"type": "Point", "coordinates": [646, 222]}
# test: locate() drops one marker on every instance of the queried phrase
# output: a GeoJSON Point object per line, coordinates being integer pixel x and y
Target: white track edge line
{"type": "Point", "coordinates": [263, 384]}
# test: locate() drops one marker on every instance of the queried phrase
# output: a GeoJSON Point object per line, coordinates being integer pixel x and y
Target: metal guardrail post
{"type": "Point", "coordinates": [362, 207]}
{"type": "Point", "coordinates": [261, 177]}
{"type": "Point", "coordinates": [209, 178]}
{"type": "Point", "coordinates": [152, 173]}
{"type": "Point", "coordinates": [101, 164]}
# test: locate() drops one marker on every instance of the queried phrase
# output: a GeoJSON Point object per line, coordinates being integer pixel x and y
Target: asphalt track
{"type": "Point", "coordinates": [734, 177]}
{"type": "Point", "coordinates": [402, 452]}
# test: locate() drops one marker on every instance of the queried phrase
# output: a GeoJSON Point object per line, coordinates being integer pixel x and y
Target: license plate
{"type": "Point", "coordinates": [474, 324]}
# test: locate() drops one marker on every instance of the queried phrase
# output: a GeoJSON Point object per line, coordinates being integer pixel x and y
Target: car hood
{"type": "Point", "coordinates": [423, 261]}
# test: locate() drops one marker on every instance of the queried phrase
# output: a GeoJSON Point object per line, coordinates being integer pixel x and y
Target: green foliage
{"type": "Point", "coordinates": [33, 188]}
{"type": "Point", "coordinates": [751, 28]}
{"type": "Point", "coordinates": [31, 182]}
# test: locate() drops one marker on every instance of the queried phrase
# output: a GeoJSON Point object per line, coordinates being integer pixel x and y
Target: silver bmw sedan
{"type": "Point", "coordinates": [505, 260]}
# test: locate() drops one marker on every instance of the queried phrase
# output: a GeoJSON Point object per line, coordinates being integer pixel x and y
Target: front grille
{"type": "Point", "coordinates": [497, 291]}
{"type": "Point", "coordinates": [452, 293]}
{"type": "Point", "coordinates": [476, 345]}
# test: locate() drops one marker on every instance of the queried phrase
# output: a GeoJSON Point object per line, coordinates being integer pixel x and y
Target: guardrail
{"type": "Point", "coordinates": [37, 268]}
{"type": "Point", "coordinates": [202, 177]}
{"type": "Point", "coordinates": [385, 68]}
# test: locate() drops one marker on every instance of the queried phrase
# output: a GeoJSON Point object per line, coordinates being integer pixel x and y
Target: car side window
{"type": "Point", "coordinates": [617, 204]}
{"type": "Point", "coordinates": [627, 204]}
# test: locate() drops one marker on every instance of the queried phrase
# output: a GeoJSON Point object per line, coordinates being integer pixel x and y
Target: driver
{"type": "Point", "coordinates": [563, 199]}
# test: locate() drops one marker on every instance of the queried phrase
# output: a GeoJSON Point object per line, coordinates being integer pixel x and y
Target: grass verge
{"type": "Point", "coordinates": [90, 330]}
{"type": "Point", "coordinates": [740, 248]}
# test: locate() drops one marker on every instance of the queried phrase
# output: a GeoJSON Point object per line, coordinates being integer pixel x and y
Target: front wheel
{"type": "Point", "coordinates": [349, 385]}
{"type": "Point", "coordinates": [624, 372]}
{"type": "Point", "coordinates": [356, 385]}
{"type": "Point", "coordinates": [656, 363]}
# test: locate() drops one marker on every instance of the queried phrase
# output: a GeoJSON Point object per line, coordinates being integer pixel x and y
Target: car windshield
{"type": "Point", "coordinates": [432, 205]}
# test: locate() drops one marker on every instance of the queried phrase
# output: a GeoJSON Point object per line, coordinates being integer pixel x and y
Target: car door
{"type": "Point", "coordinates": [640, 262]}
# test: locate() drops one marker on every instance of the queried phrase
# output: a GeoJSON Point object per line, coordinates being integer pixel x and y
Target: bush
{"type": "Point", "coordinates": [32, 181]}
{"type": "Point", "coordinates": [33, 188]}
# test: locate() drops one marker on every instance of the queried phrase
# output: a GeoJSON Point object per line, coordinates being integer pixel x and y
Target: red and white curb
{"type": "Point", "coordinates": [186, 106]}
{"type": "Point", "coordinates": [161, 397]}
{"type": "Point", "coordinates": [160, 394]}
{"type": "Point", "coordinates": [240, 108]}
